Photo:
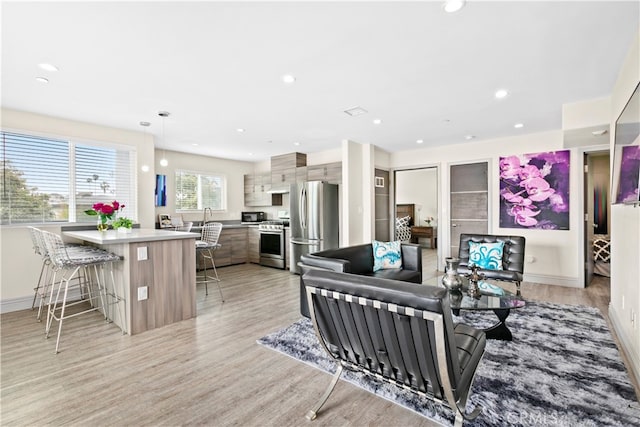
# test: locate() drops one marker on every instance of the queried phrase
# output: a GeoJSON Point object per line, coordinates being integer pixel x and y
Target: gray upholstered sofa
{"type": "Point", "coordinates": [358, 260]}
{"type": "Point", "coordinates": [400, 332]}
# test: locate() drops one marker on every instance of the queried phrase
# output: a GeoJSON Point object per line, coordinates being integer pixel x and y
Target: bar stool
{"type": "Point", "coordinates": [41, 291]}
{"type": "Point", "coordinates": [74, 263]}
{"type": "Point", "coordinates": [41, 286]}
{"type": "Point", "coordinates": [206, 247]}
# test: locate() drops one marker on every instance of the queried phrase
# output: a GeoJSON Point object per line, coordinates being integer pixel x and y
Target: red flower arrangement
{"type": "Point", "coordinates": [106, 211]}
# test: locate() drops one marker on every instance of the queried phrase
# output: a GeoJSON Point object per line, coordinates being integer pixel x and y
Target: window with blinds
{"type": "Point", "coordinates": [196, 191]}
{"type": "Point", "coordinates": [51, 180]}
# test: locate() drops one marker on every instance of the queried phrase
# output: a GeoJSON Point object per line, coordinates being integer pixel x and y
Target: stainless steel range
{"type": "Point", "coordinates": [272, 246]}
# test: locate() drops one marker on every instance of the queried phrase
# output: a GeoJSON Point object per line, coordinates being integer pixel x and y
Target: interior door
{"type": "Point", "coordinates": [469, 201]}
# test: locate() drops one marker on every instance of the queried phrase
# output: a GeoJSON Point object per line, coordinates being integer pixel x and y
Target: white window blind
{"type": "Point", "coordinates": [51, 180]}
{"type": "Point", "coordinates": [196, 191]}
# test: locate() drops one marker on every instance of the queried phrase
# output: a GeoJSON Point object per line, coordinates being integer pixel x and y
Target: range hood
{"type": "Point", "coordinates": [278, 190]}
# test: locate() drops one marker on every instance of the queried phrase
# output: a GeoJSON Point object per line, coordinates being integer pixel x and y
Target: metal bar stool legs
{"type": "Point", "coordinates": [71, 265]}
{"type": "Point", "coordinates": [63, 304]}
{"type": "Point", "coordinates": [207, 246]}
{"type": "Point", "coordinates": [207, 254]}
{"type": "Point", "coordinates": [115, 297]}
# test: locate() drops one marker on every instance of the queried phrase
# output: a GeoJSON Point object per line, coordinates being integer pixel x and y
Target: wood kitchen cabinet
{"type": "Point", "coordinates": [233, 250]}
{"type": "Point", "coordinates": [256, 191]}
{"type": "Point", "coordinates": [253, 235]}
{"type": "Point", "coordinates": [327, 172]}
{"type": "Point", "coordinates": [284, 169]}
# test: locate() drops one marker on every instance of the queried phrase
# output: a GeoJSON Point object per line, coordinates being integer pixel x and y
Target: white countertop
{"type": "Point", "coordinates": [136, 235]}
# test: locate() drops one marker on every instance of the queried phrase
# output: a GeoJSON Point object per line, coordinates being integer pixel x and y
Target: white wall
{"type": "Point", "coordinates": [625, 233]}
{"type": "Point", "coordinates": [233, 171]}
{"type": "Point", "coordinates": [321, 157]}
{"type": "Point", "coordinates": [552, 256]}
{"type": "Point", "coordinates": [352, 209]}
{"type": "Point", "coordinates": [584, 114]}
{"type": "Point", "coordinates": [20, 267]}
{"type": "Point", "coordinates": [419, 186]}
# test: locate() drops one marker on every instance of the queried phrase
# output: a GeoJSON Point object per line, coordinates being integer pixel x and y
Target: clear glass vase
{"type": "Point", "coordinates": [102, 226]}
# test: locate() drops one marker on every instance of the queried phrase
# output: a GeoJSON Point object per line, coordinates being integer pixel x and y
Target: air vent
{"type": "Point", "coordinates": [356, 111]}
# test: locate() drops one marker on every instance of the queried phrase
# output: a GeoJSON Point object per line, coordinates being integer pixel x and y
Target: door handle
{"type": "Point", "coordinates": [454, 225]}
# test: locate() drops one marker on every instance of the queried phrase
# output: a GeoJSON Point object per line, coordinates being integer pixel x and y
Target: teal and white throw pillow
{"type": "Point", "coordinates": [386, 255]}
{"type": "Point", "coordinates": [487, 256]}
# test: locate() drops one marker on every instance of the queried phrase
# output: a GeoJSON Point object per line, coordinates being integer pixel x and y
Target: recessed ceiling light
{"type": "Point", "coordinates": [251, 154]}
{"type": "Point", "coordinates": [195, 144]}
{"type": "Point", "coordinates": [48, 67]}
{"type": "Point", "coordinates": [42, 79]}
{"type": "Point", "coordinates": [451, 6]}
{"type": "Point", "coordinates": [420, 141]}
{"type": "Point", "coordinates": [296, 143]}
{"type": "Point", "coordinates": [288, 78]}
{"type": "Point", "coordinates": [145, 124]}
{"type": "Point", "coordinates": [377, 121]}
{"type": "Point", "coordinates": [240, 130]}
{"type": "Point", "coordinates": [356, 111]}
{"type": "Point", "coordinates": [501, 93]}
{"type": "Point", "coordinates": [518, 125]}
{"type": "Point", "coordinates": [164, 162]}
{"type": "Point", "coordinates": [145, 168]}
{"type": "Point", "coordinates": [468, 137]}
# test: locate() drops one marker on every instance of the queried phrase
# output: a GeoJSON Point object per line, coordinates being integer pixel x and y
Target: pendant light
{"type": "Point", "coordinates": [145, 125]}
{"type": "Point", "coordinates": [163, 161]}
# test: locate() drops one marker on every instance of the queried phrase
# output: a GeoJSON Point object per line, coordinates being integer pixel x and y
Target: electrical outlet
{"type": "Point", "coordinates": [142, 253]}
{"type": "Point", "coordinates": [143, 293]}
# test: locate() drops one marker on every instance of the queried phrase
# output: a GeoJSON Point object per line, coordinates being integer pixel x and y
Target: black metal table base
{"type": "Point", "coordinates": [500, 331]}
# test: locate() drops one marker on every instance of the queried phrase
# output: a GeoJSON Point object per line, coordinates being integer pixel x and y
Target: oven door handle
{"type": "Point", "coordinates": [304, 242]}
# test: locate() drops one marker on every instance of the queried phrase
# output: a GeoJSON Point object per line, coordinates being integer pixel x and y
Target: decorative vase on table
{"type": "Point", "coordinates": [105, 213]}
{"type": "Point", "coordinates": [451, 280]}
{"type": "Point", "coordinates": [103, 226]}
{"type": "Point", "coordinates": [474, 279]}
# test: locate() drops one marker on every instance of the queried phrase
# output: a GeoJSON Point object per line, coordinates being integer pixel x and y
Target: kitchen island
{"type": "Point", "coordinates": [156, 280]}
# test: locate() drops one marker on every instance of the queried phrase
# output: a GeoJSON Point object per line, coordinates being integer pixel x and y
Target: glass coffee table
{"type": "Point", "coordinates": [491, 297]}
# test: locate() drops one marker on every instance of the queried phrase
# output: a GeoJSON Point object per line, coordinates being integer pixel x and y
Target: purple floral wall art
{"type": "Point", "coordinates": [629, 175]}
{"type": "Point", "coordinates": [534, 191]}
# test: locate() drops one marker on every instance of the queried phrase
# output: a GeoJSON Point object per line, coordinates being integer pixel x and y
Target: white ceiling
{"type": "Point", "coordinates": [217, 66]}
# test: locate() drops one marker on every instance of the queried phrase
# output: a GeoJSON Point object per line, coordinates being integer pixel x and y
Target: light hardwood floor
{"type": "Point", "coordinates": [204, 371]}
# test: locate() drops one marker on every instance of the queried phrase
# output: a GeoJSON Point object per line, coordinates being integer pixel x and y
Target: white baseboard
{"type": "Point", "coordinates": [24, 303]}
{"type": "Point", "coordinates": [627, 346]}
{"type": "Point", "coordinates": [16, 304]}
{"type": "Point", "coordinates": [571, 282]}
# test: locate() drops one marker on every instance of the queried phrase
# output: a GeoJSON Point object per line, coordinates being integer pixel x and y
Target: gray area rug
{"type": "Point", "coordinates": [562, 369]}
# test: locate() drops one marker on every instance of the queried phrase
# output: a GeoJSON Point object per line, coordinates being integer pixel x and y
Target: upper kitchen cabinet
{"type": "Point", "coordinates": [257, 189]}
{"type": "Point", "coordinates": [284, 170]}
{"type": "Point", "coordinates": [328, 172]}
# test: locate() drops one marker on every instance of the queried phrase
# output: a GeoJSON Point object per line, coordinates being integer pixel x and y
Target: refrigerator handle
{"type": "Point", "coordinates": [303, 208]}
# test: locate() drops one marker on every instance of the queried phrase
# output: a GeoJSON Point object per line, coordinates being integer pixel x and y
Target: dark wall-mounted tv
{"type": "Point", "coordinates": [625, 185]}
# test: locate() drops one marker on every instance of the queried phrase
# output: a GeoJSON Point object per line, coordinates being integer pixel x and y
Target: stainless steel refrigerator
{"type": "Point", "coordinates": [314, 219]}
